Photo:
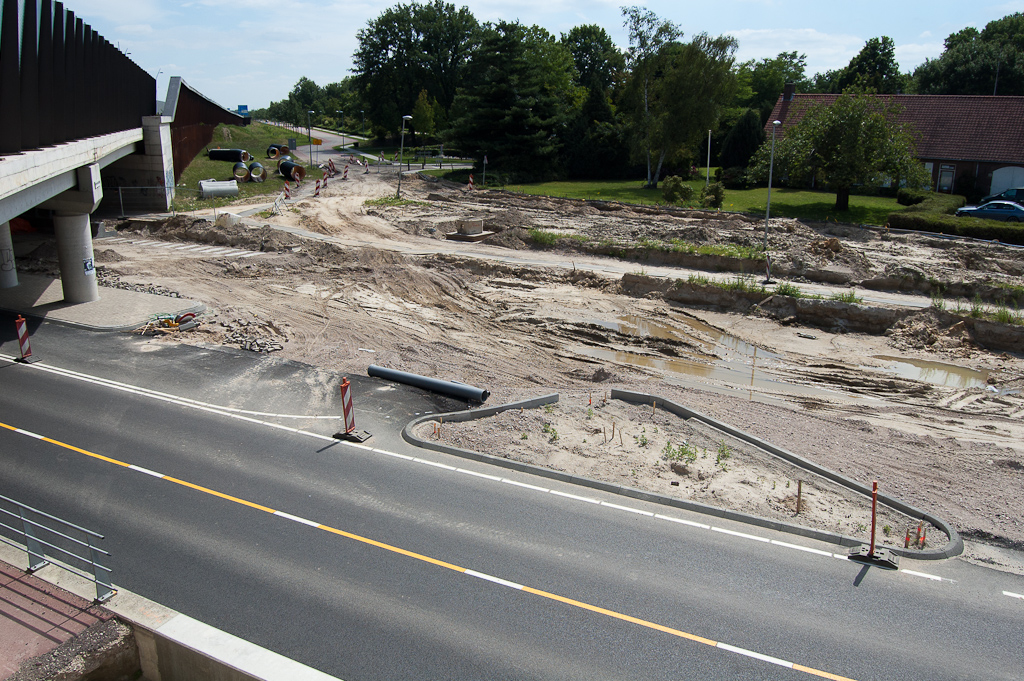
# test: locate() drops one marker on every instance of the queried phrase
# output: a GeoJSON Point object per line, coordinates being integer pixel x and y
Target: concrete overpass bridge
{"type": "Point", "coordinates": [78, 120]}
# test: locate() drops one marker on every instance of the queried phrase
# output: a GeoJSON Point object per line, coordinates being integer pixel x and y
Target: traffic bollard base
{"type": "Point", "coordinates": [881, 558]}
{"type": "Point", "coordinates": [354, 436]}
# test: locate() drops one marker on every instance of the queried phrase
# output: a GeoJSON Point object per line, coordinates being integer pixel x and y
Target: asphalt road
{"type": "Point", "coordinates": [368, 565]}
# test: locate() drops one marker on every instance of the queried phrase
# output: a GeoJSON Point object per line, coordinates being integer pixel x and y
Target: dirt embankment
{"type": "Point", "coordinates": [922, 403]}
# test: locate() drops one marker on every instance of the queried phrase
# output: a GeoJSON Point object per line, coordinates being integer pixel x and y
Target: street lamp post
{"type": "Point", "coordinates": [362, 128]}
{"type": "Point", "coordinates": [771, 167]}
{"type": "Point", "coordinates": [341, 126]}
{"type": "Point", "coordinates": [309, 134]}
{"type": "Point", "coordinates": [401, 156]}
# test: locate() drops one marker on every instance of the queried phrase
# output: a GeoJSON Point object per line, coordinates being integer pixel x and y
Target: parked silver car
{"type": "Point", "coordinates": [994, 210]}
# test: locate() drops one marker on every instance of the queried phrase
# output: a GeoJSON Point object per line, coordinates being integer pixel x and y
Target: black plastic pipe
{"type": "Point", "coordinates": [450, 388]}
{"type": "Point", "coordinates": [292, 171]}
{"type": "Point", "coordinates": [233, 155]}
{"type": "Point", "coordinates": [275, 150]}
{"type": "Point", "coordinates": [240, 172]}
{"type": "Point", "coordinates": [257, 173]}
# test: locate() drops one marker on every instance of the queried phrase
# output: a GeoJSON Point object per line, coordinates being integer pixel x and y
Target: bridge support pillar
{"type": "Point", "coordinates": [8, 271]}
{"type": "Point", "coordinates": [75, 257]}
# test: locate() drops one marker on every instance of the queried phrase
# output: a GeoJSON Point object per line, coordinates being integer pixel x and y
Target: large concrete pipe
{"type": "Point", "coordinates": [210, 188]}
{"type": "Point", "coordinates": [292, 171]}
{"type": "Point", "coordinates": [257, 173]}
{"type": "Point", "coordinates": [276, 150]}
{"type": "Point", "coordinates": [233, 155]}
{"type": "Point", "coordinates": [459, 390]}
{"type": "Point", "coordinates": [241, 172]}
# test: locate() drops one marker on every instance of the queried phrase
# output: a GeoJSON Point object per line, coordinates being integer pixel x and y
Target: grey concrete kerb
{"type": "Point", "coordinates": [953, 547]}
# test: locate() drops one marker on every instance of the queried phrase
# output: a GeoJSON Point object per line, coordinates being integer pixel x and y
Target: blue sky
{"type": "Point", "coordinates": [253, 51]}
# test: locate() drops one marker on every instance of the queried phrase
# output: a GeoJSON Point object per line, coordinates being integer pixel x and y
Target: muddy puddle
{"type": "Point", "coordinates": [740, 363]}
{"type": "Point", "coordinates": [936, 373]}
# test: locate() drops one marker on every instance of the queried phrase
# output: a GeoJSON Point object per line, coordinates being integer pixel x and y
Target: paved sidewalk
{"type": "Point", "coordinates": [116, 310]}
{"type": "Point", "coordinates": [36, 617]}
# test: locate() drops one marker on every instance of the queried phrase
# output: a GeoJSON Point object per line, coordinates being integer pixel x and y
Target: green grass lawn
{"type": "Point", "coordinates": [794, 203]}
{"type": "Point", "coordinates": [255, 139]}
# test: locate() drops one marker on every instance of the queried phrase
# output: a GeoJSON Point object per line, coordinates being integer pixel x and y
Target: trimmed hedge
{"type": "Point", "coordinates": [933, 212]}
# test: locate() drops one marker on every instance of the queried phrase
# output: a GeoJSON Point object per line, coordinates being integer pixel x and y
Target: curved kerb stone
{"type": "Point", "coordinates": [954, 546]}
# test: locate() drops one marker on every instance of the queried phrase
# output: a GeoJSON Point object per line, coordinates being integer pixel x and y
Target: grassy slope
{"type": "Point", "coordinates": [255, 139]}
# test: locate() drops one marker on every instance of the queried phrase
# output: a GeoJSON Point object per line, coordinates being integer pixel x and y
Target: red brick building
{"type": "Point", "coordinates": [963, 140]}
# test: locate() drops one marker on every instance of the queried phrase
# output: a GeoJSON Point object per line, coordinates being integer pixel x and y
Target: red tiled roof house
{"type": "Point", "coordinates": [960, 137]}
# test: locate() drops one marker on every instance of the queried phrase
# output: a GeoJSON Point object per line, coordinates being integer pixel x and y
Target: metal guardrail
{"type": "Point", "coordinates": [44, 534]}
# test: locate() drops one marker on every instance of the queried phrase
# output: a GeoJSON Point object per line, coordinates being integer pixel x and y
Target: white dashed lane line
{"type": "Point", "coordinates": [1013, 595]}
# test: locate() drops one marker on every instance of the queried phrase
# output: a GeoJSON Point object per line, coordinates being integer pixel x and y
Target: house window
{"type": "Point", "coordinates": [946, 174]}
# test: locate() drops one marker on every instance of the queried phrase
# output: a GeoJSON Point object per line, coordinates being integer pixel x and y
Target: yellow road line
{"type": "Point", "coordinates": [440, 563]}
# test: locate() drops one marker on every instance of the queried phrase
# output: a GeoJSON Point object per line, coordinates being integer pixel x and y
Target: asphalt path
{"type": "Point", "coordinates": [243, 512]}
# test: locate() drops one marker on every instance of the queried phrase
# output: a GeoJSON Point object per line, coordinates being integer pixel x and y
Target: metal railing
{"type": "Point", "coordinates": [43, 534]}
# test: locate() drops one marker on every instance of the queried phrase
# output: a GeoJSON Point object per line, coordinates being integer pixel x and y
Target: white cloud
{"type": "Point", "coordinates": [825, 51]}
{"type": "Point", "coordinates": [911, 55]}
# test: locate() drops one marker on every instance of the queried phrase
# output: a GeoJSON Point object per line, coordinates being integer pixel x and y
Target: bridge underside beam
{"type": "Point", "coordinates": [30, 178]}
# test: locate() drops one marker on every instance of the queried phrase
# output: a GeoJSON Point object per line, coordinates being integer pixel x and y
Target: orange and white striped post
{"type": "Point", "coordinates": [345, 176]}
{"type": "Point", "coordinates": [23, 343]}
{"type": "Point", "coordinates": [349, 416]}
{"type": "Point", "coordinates": [287, 190]}
{"type": "Point", "coordinates": [346, 405]}
{"type": "Point", "coordinates": [317, 191]}
{"type": "Point", "coordinates": [470, 181]}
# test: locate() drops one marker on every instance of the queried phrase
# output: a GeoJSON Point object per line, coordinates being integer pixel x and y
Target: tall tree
{"type": "Point", "coordinates": [694, 82]}
{"type": "Point", "coordinates": [856, 140]}
{"type": "Point", "coordinates": [648, 37]}
{"type": "Point", "coordinates": [873, 68]}
{"type": "Point", "coordinates": [595, 55]}
{"type": "Point", "coordinates": [511, 107]}
{"type": "Point", "coordinates": [409, 48]}
{"type": "Point", "coordinates": [743, 140]}
{"type": "Point", "coordinates": [423, 115]}
{"type": "Point", "coordinates": [768, 77]}
{"type": "Point", "coordinates": [975, 62]}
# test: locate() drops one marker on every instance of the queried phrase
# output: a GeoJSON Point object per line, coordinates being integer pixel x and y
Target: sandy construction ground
{"type": "Point", "coordinates": [924, 404]}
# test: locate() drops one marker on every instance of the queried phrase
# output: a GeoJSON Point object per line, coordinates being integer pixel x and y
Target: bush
{"type": "Point", "coordinates": [911, 197]}
{"type": "Point", "coordinates": [712, 195]}
{"type": "Point", "coordinates": [732, 178]}
{"type": "Point", "coordinates": [675, 190]}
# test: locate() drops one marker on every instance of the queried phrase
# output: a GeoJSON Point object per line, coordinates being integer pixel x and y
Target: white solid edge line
{"type": "Point", "coordinates": [395, 454]}
{"type": "Point", "coordinates": [140, 469]}
{"type": "Point", "coordinates": [495, 478]}
{"type": "Point", "coordinates": [1013, 595]}
{"type": "Point", "coordinates": [808, 549]}
{"type": "Point", "coordinates": [576, 497]}
{"type": "Point", "coordinates": [681, 521]}
{"type": "Point", "coordinates": [296, 518]}
{"type": "Point", "coordinates": [740, 534]}
{"type": "Point", "coordinates": [496, 580]}
{"type": "Point", "coordinates": [756, 656]}
{"type": "Point", "coordinates": [626, 508]}
{"type": "Point", "coordinates": [435, 464]}
{"type": "Point", "coordinates": [922, 574]}
{"type": "Point", "coordinates": [840, 556]}
{"type": "Point", "coordinates": [523, 484]}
